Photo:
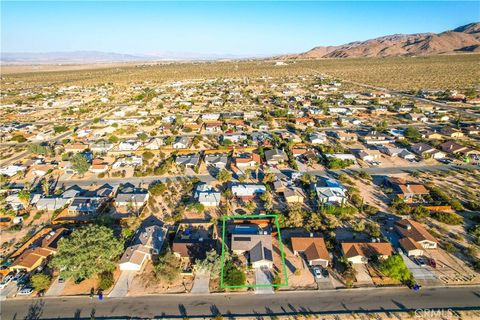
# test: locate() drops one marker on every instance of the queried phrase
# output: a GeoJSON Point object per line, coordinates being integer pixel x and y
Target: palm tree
{"type": "Point", "coordinates": [46, 187]}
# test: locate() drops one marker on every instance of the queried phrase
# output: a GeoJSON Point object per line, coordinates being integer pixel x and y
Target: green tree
{"type": "Point", "coordinates": [420, 213]}
{"type": "Point", "coordinates": [358, 226]}
{"type": "Point", "coordinates": [142, 136]}
{"type": "Point", "coordinates": [224, 175]}
{"type": "Point", "coordinates": [232, 275]}
{"type": "Point", "coordinates": [80, 163]}
{"type": "Point", "coordinates": [373, 229]}
{"type": "Point", "coordinates": [60, 129]}
{"type": "Point", "coordinates": [40, 281]}
{"type": "Point", "coordinates": [88, 251]}
{"type": "Point", "coordinates": [18, 138]}
{"type": "Point", "coordinates": [395, 268]}
{"type": "Point", "coordinates": [167, 267]}
{"type": "Point", "coordinates": [412, 134]}
{"type": "Point", "coordinates": [24, 196]}
{"type": "Point", "coordinates": [315, 222]}
{"type": "Point", "coordinates": [212, 264]}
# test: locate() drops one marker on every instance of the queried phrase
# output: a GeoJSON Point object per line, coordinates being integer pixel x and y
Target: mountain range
{"type": "Point", "coordinates": [463, 39]}
{"type": "Point", "coordinates": [460, 40]}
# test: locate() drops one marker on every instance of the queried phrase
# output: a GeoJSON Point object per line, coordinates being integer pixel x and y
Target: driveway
{"type": "Point", "coordinates": [121, 287]}
{"type": "Point", "coordinates": [362, 275]}
{"type": "Point", "coordinates": [419, 273]}
{"type": "Point", "coordinates": [9, 291]}
{"type": "Point", "coordinates": [56, 288]}
{"type": "Point", "coordinates": [263, 276]}
{"type": "Point", "coordinates": [201, 283]}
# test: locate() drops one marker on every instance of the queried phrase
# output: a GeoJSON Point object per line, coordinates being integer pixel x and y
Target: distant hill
{"type": "Point", "coordinates": [87, 57]}
{"type": "Point", "coordinates": [462, 39]}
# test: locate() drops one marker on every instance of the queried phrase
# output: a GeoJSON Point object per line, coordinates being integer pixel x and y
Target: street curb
{"type": "Point", "coordinates": [248, 292]}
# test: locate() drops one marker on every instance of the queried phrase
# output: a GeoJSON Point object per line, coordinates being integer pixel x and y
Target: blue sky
{"type": "Point", "coordinates": [241, 28]}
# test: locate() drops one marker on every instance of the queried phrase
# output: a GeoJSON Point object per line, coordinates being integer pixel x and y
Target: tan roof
{"type": "Point", "coordinates": [412, 229]}
{"type": "Point", "coordinates": [409, 244]}
{"type": "Point", "coordinates": [313, 247]}
{"type": "Point", "coordinates": [413, 188]}
{"type": "Point", "coordinates": [366, 249]}
{"type": "Point", "coordinates": [31, 257]}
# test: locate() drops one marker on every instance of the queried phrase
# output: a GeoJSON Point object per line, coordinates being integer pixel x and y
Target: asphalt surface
{"type": "Point", "coordinates": [251, 305]}
{"type": "Point", "coordinates": [208, 178]}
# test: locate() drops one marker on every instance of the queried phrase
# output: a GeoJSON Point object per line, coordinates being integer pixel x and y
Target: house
{"type": "Point", "coordinates": [417, 117]}
{"type": "Point", "coordinates": [14, 202]}
{"type": "Point", "coordinates": [217, 160]}
{"type": "Point", "coordinates": [207, 195]}
{"type": "Point", "coordinates": [247, 191]}
{"type": "Point", "coordinates": [234, 137]}
{"type": "Point", "coordinates": [430, 134]}
{"type": "Point", "coordinates": [11, 170]}
{"type": "Point", "coordinates": [188, 160]}
{"type": "Point", "coordinates": [407, 155]}
{"type": "Point", "coordinates": [426, 151]}
{"type": "Point", "coordinates": [258, 247]}
{"type": "Point", "coordinates": [275, 156]}
{"type": "Point", "coordinates": [294, 195]}
{"type": "Point", "coordinates": [98, 166]}
{"type": "Point", "coordinates": [85, 205]}
{"type": "Point", "coordinates": [213, 126]}
{"type": "Point", "coordinates": [35, 257]}
{"type": "Point", "coordinates": [361, 252]}
{"type": "Point", "coordinates": [192, 241]}
{"type": "Point", "coordinates": [182, 143]}
{"type": "Point", "coordinates": [369, 155]}
{"type": "Point", "coordinates": [129, 145]}
{"type": "Point", "coordinates": [453, 147]}
{"type": "Point", "coordinates": [246, 160]}
{"type": "Point", "coordinates": [411, 247]}
{"type": "Point", "coordinates": [39, 170]}
{"type": "Point", "coordinates": [52, 204]}
{"type": "Point", "coordinates": [409, 192]}
{"type": "Point", "coordinates": [129, 196]}
{"type": "Point", "coordinates": [305, 121]}
{"type": "Point", "coordinates": [450, 132]}
{"type": "Point", "coordinates": [101, 147]}
{"type": "Point", "coordinates": [408, 228]}
{"type": "Point", "coordinates": [154, 144]}
{"type": "Point", "coordinates": [345, 136]}
{"type": "Point", "coordinates": [128, 161]}
{"type": "Point", "coordinates": [148, 241]}
{"type": "Point", "coordinates": [375, 138]}
{"type": "Point", "coordinates": [330, 191]}
{"type": "Point", "coordinates": [318, 138]}
{"type": "Point", "coordinates": [313, 249]}
{"type": "Point", "coordinates": [76, 147]}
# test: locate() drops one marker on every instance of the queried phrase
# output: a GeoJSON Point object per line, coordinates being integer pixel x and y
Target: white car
{"type": "Point", "coordinates": [5, 281]}
{"type": "Point", "coordinates": [25, 291]}
{"type": "Point", "coordinates": [317, 272]}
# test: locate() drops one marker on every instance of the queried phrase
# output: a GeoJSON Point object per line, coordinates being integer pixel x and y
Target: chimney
{"type": "Point", "coordinates": [408, 226]}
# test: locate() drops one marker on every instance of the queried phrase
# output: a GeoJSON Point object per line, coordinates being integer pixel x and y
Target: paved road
{"type": "Point", "coordinates": [208, 178]}
{"type": "Point", "coordinates": [235, 305]}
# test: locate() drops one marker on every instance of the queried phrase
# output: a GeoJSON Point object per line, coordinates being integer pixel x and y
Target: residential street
{"type": "Point", "coordinates": [235, 305]}
{"type": "Point", "coordinates": [208, 178]}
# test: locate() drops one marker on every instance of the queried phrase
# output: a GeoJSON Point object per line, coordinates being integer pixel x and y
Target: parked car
{"type": "Point", "coordinates": [25, 291]}
{"type": "Point", "coordinates": [421, 261]}
{"type": "Point", "coordinates": [8, 278]}
{"type": "Point", "coordinates": [61, 279]}
{"type": "Point", "coordinates": [317, 272]}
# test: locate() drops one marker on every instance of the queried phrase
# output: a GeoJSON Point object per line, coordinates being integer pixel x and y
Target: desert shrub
{"type": "Point", "coordinates": [447, 217]}
{"type": "Point", "coordinates": [106, 280]}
